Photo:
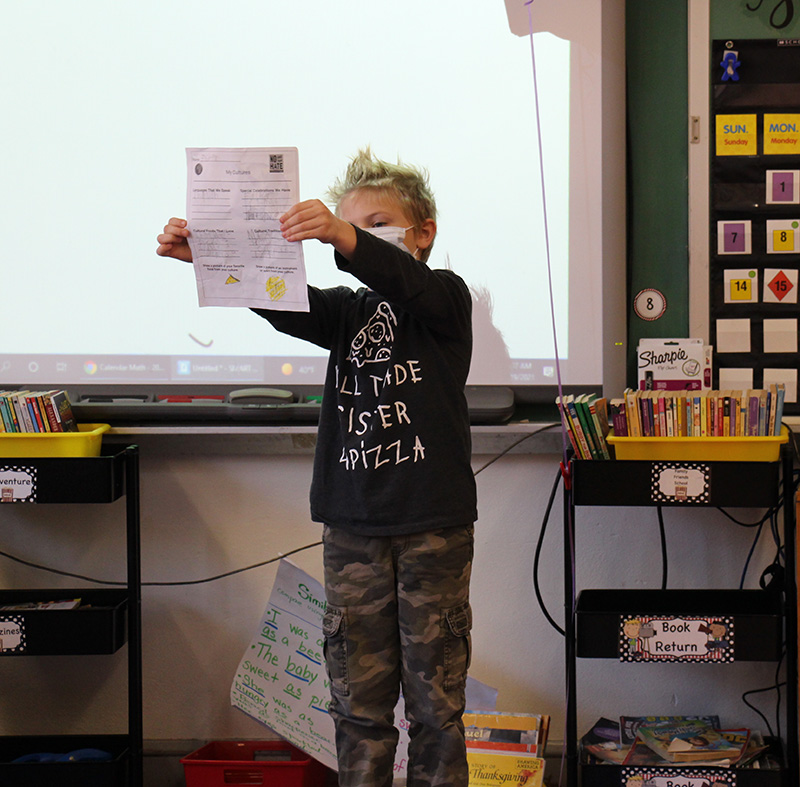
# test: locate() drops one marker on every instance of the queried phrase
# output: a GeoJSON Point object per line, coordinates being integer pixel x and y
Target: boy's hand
{"type": "Point", "coordinates": [311, 220]}
{"type": "Point", "coordinates": [173, 241]}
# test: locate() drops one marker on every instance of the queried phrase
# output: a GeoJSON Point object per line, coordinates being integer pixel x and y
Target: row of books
{"type": "Point", "coordinates": [586, 421]}
{"type": "Point", "coordinates": [36, 411]}
{"type": "Point", "coordinates": [505, 748]}
{"type": "Point", "coordinates": [702, 413]}
{"type": "Point", "coordinates": [674, 741]}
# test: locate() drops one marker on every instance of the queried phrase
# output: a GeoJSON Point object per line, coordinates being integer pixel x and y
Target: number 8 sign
{"type": "Point", "coordinates": [649, 304]}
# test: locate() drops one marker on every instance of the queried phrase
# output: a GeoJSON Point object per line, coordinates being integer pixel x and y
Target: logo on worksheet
{"type": "Point", "coordinates": [276, 288]}
{"type": "Point", "coordinates": [373, 343]}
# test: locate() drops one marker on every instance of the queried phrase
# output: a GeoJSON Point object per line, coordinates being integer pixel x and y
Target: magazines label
{"type": "Point", "coordinates": [12, 634]}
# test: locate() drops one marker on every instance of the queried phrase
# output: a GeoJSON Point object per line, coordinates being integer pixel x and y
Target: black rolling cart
{"type": "Point", "coordinates": [759, 622]}
{"type": "Point", "coordinates": [107, 620]}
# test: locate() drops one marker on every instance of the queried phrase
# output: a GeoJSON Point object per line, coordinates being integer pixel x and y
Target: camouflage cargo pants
{"type": "Point", "coordinates": [398, 613]}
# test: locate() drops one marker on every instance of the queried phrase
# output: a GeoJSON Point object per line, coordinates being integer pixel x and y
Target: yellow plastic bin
{"type": "Point", "coordinates": [700, 449]}
{"type": "Point", "coordinates": [85, 442]}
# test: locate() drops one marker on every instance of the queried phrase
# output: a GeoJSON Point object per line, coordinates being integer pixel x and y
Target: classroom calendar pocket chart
{"type": "Point", "coordinates": [755, 214]}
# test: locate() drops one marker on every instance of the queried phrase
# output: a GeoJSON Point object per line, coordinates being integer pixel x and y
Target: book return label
{"type": "Point", "coordinates": [688, 777]}
{"type": "Point", "coordinates": [674, 638]}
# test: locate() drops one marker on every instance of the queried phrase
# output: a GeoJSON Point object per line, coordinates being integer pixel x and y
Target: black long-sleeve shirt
{"type": "Point", "coordinates": [393, 446]}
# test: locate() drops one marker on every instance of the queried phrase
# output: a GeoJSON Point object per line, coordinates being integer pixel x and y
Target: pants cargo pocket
{"type": "Point", "coordinates": [335, 649]}
{"type": "Point", "coordinates": [457, 646]}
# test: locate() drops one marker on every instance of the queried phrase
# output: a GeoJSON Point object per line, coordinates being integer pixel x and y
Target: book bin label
{"type": "Point", "coordinates": [17, 484]}
{"type": "Point", "coordinates": [675, 483]}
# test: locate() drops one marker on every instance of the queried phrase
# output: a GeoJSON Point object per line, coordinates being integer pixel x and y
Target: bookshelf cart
{"type": "Point", "coordinates": [106, 620]}
{"type": "Point", "coordinates": [761, 619]}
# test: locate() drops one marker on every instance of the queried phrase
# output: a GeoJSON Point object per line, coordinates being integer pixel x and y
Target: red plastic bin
{"type": "Point", "coordinates": [268, 763]}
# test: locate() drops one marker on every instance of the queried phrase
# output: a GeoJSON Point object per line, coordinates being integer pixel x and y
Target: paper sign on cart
{"type": "Point", "coordinates": [235, 198]}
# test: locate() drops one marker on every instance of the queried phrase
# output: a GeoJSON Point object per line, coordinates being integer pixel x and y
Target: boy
{"type": "Point", "coordinates": [392, 482]}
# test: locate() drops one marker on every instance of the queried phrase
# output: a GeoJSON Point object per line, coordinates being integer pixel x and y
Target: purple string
{"type": "Point", "coordinates": [546, 232]}
{"type": "Point", "coordinates": [555, 338]}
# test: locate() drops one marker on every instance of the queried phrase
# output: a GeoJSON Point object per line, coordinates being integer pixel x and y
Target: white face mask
{"type": "Point", "coordinates": [394, 235]}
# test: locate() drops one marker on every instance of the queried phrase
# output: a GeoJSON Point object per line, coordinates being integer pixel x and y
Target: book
{"type": "Point", "coordinates": [619, 417]}
{"type": "Point", "coordinates": [741, 418]}
{"type": "Point", "coordinates": [780, 396]}
{"type": "Point", "coordinates": [754, 748]}
{"type": "Point", "coordinates": [601, 406]}
{"type": "Point", "coordinates": [771, 402]}
{"type": "Point", "coordinates": [711, 747]}
{"type": "Point", "coordinates": [736, 418]}
{"type": "Point", "coordinates": [762, 412]}
{"type": "Point", "coordinates": [490, 769]}
{"type": "Point", "coordinates": [567, 423]}
{"type": "Point", "coordinates": [63, 409]}
{"type": "Point", "coordinates": [687, 741]}
{"type": "Point", "coordinates": [640, 754]}
{"type": "Point", "coordinates": [31, 402]}
{"type": "Point", "coordinates": [524, 733]}
{"type": "Point", "coordinates": [4, 415]}
{"type": "Point", "coordinates": [669, 405]}
{"type": "Point", "coordinates": [569, 401]}
{"type": "Point", "coordinates": [602, 742]}
{"type": "Point", "coordinates": [599, 418]}
{"type": "Point", "coordinates": [52, 416]}
{"type": "Point", "coordinates": [70, 603]}
{"type": "Point", "coordinates": [631, 407]}
{"type": "Point", "coordinates": [646, 411]}
{"type": "Point", "coordinates": [629, 725]}
{"type": "Point", "coordinates": [752, 412]}
{"type": "Point", "coordinates": [588, 426]}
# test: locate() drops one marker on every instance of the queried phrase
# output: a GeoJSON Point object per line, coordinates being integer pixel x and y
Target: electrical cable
{"type": "Point", "coordinates": [95, 581]}
{"type": "Point", "coordinates": [663, 535]}
{"type": "Point", "coordinates": [750, 553]}
{"type": "Point", "coordinates": [776, 687]}
{"type": "Point", "coordinates": [537, 554]}
{"type": "Point", "coordinates": [514, 445]}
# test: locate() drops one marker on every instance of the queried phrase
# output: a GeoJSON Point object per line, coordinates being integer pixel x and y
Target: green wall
{"type": "Point", "coordinates": [657, 120]}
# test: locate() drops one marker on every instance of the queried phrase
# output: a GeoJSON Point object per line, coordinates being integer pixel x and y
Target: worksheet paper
{"type": "Point", "coordinates": [234, 200]}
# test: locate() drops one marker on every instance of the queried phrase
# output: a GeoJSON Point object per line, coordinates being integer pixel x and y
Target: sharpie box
{"type": "Point", "coordinates": [85, 442]}
{"type": "Point", "coordinates": [268, 763]}
{"type": "Point", "coordinates": [673, 364]}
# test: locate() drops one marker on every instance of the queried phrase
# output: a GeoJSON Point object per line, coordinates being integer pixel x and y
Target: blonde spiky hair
{"type": "Point", "coordinates": [408, 184]}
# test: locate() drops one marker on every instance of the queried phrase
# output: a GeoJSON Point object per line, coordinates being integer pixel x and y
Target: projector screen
{"type": "Point", "coordinates": [105, 99]}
